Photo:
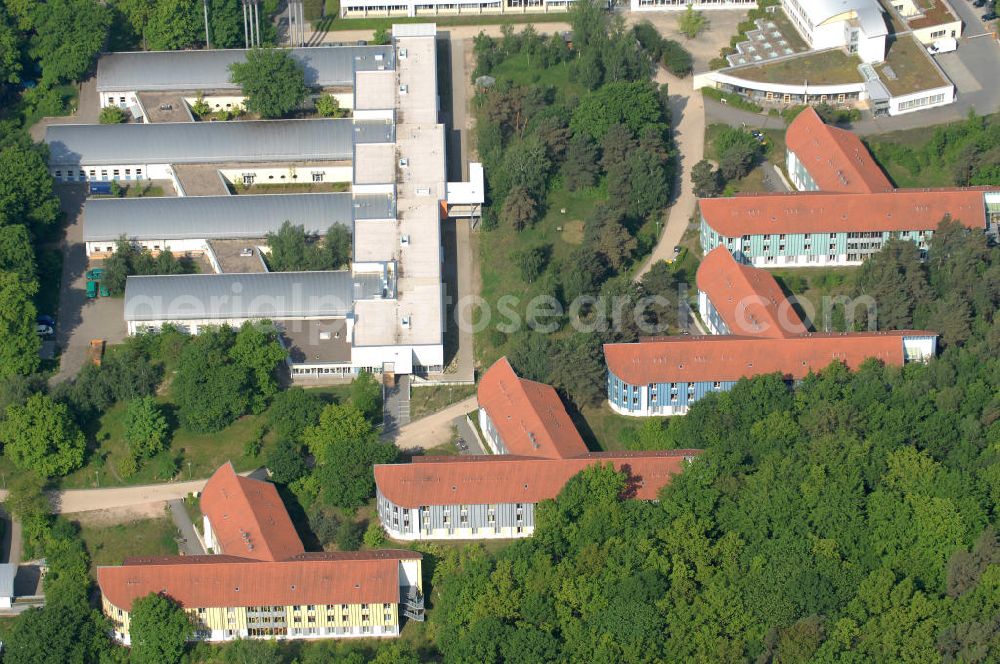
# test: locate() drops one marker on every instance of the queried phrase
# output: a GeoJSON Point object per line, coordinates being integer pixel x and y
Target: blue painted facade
{"type": "Point", "coordinates": [790, 249]}
{"type": "Point", "coordinates": [659, 398]}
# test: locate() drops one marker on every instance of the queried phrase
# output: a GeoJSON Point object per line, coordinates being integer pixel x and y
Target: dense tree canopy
{"type": "Point", "coordinates": [291, 250]}
{"type": "Point", "coordinates": [41, 437]}
{"type": "Point", "coordinates": [159, 628]}
{"type": "Point", "coordinates": [19, 344]}
{"type": "Point", "coordinates": [273, 82]}
{"type": "Point", "coordinates": [68, 34]}
{"type": "Point", "coordinates": [346, 446]}
{"type": "Point", "coordinates": [26, 189]}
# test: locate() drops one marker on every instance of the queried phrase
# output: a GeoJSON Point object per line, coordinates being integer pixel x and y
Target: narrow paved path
{"type": "Point", "coordinates": [432, 430]}
{"type": "Point", "coordinates": [688, 121]}
{"type": "Point", "coordinates": [189, 545]}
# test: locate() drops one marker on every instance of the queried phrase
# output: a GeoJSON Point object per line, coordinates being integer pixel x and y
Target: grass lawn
{"type": "Point", "coordinates": [522, 71]}
{"type": "Point", "coordinates": [137, 191]}
{"type": "Point", "coordinates": [601, 427]}
{"type": "Point", "coordinates": [293, 188]}
{"type": "Point", "coordinates": [911, 65]}
{"type": "Point", "coordinates": [833, 67]}
{"type": "Point", "coordinates": [109, 545]}
{"type": "Point", "coordinates": [199, 454]}
{"type": "Point", "coordinates": [559, 230]}
{"type": "Point", "coordinates": [812, 287]}
{"type": "Point", "coordinates": [425, 400]}
{"type": "Point", "coordinates": [6, 624]}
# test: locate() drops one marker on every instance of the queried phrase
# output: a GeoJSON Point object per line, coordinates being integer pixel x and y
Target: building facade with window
{"type": "Point", "coordinates": [495, 496]}
{"type": "Point", "coordinates": [664, 377]}
{"type": "Point", "coordinates": [385, 313]}
{"type": "Point", "coordinates": [810, 229]}
{"type": "Point", "coordinates": [261, 583]}
{"type": "Point", "coordinates": [535, 449]}
{"type": "Point", "coordinates": [124, 77]}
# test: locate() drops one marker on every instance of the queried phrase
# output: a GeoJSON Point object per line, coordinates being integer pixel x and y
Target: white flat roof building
{"type": "Point", "coordinates": [857, 25]}
{"type": "Point", "coordinates": [390, 305]}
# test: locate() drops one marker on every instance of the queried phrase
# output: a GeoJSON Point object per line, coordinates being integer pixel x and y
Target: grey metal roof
{"type": "Point", "coordinates": [222, 217]}
{"type": "Point", "coordinates": [200, 142]}
{"type": "Point", "coordinates": [374, 131]}
{"type": "Point", "coordinates": [7, 573]}
{"type": "Point", "coordinates": [374, 206]}
{"type": "Point", "coordinates": [325, 66]}
{"type": "Point", "coordinates": [275, 295]}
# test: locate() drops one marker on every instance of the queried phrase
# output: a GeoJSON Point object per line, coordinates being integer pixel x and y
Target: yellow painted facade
{"type": "Point", "coordinates": [288, 622]}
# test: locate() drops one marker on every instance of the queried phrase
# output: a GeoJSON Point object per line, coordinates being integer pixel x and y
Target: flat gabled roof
{"type": "Point", "coordinates": [325, 66]}
{"type": "Point", "coordinates": [274, 295]}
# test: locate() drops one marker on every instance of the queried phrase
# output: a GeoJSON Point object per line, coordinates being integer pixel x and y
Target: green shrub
{"type": "Point", "coordinates": [112, 115]}
{"type": "Point", "coordinates": [731, 99]}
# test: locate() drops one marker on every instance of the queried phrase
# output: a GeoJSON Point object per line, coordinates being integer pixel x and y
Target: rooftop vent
{"type": "Point", "coordinates": [402, 54]}
{"type": "Point", "coordinates": [403, 162]}
{"type": "Point", "coordinates": [404, 240]}
{"type": "Point", "coordinates": [406, 322]}
{"type": "Point", "coordinates": [403, 89]}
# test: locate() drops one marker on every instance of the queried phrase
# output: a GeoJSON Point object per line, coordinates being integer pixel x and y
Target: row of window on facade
{"type": "Point", "coordinates": [250, 178]}
{"type": "Point", "coordinates": [116, 174]}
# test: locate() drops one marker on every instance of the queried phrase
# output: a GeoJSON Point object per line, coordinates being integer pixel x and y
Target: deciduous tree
{"type": "Point", "coordinates": [26, 195]}
{"type": "Point", "coordinates": [273, 82]}
{"type": "Point", "coordinates": [691, 22]}
{"type": "Point", "coordinates": [68, 36]}
{"type": "Point", "coordinates": [19, 344]}
{"type": "Point", "coordinates": [145, 427]}
{"type": "Point", "coordinates": [175, 24]}
{"type": "Point", "coordinates": [519, 209]}
{"type": "Point", "coordinates": [159, 628]}
{"type": "Point", "coordinates": [41, 437]}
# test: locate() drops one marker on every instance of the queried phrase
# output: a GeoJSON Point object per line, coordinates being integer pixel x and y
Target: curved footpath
{"type": "Point", "coordinates": [425, 432]}
{"type": "Point", "coordinates": [687, 110]}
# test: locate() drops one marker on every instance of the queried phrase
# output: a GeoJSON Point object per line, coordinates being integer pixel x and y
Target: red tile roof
{"type": "Point", "coordinates": [836, 159]}
{"type": "Point", "coordinates": [529, 416]}
{"type": "Point", "coordinates": [503, 479]}
{"type": "Point", "coordinates": [748, 299]}
{"type": "Point", "coordinates": [812, 212]}
{"type": "Point", "coordinates": [729, 358]}
{"type": "Point", "coordinates": [248, 517]}
{"type": "Point", "coordinates": [212, 581]}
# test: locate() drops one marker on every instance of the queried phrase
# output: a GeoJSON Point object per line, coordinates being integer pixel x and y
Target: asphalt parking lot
{"type": "Point", "coordinates": [79, 319]}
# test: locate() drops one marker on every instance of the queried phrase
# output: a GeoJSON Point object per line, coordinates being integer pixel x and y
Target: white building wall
{"type": "Point", "coordinates": [105, 247]}
{"type": "Point", "coordinates": [922, 100]}
{"type": "Point", "coordinates": [287, 174]}
{"type": "Point", "coordinates": [681, 5]}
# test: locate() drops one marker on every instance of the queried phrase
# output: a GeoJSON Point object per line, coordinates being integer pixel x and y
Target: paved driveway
{"type": "Point", "coordinates": [79, 319]}
{"type": "Point", "coordinates": [189, 544]}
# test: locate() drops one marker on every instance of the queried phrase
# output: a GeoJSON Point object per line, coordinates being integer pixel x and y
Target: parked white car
{"type": "Point", "coordinates": [943, 46]}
